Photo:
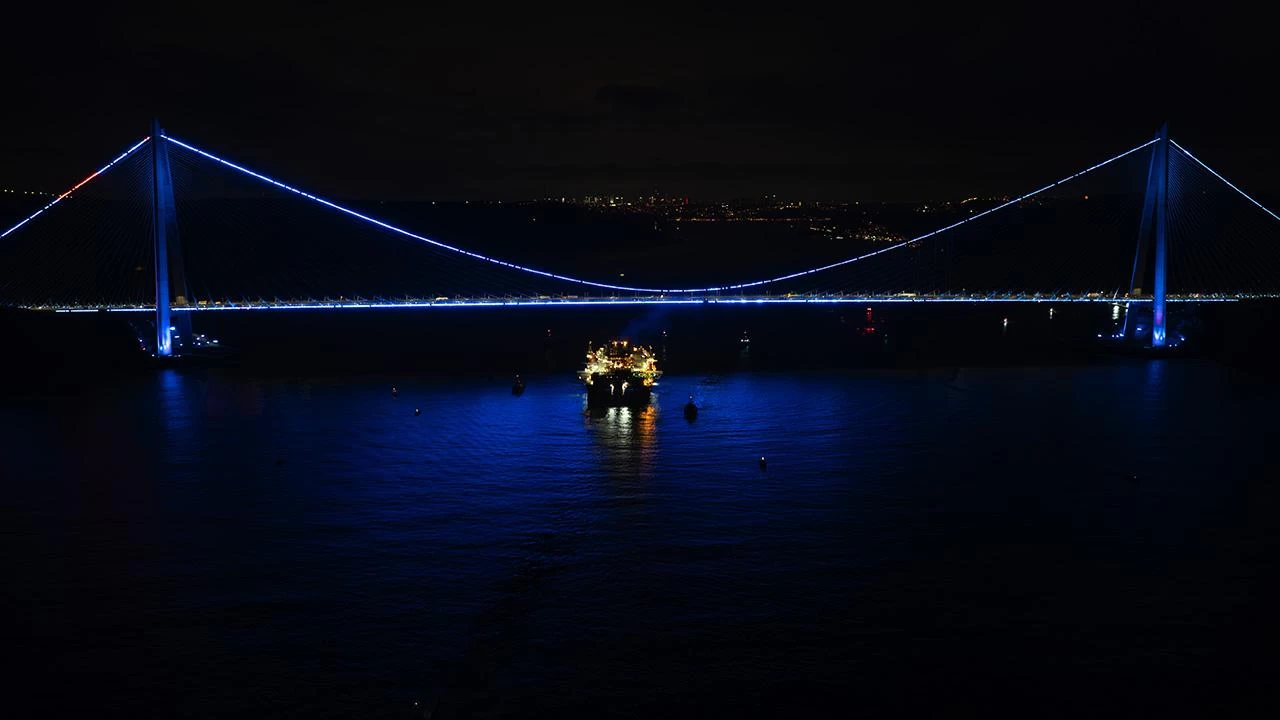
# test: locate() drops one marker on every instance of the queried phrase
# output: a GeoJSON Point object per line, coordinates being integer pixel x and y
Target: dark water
{"type": "Point", "coordinates": [968, 542]}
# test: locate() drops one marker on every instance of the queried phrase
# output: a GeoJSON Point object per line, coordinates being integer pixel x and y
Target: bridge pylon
{"type": "Point", "coordinates": [1153, 232]}
{"type": "Point", "coordinates": [164, 224]}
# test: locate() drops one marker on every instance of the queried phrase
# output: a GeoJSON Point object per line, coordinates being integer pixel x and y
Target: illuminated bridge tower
{"type": "Point", "coordinates": [1152, 240]}
{"type": "Point", "coordinates": [168, 252]}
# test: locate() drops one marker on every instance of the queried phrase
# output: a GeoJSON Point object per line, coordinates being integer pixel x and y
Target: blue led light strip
{"type": "Point", "coordinates": [1229, 184]}
{"type": "Point", "coordinates": [939, 231]}
{"type": "Point", "coordinates": [76, 187]}
{"type": "Point", "coordinates": [402, 231]}
{"type": "Point", "coordinates": [628, 288]}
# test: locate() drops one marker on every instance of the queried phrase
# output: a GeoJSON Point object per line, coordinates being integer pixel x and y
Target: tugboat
{"type": "Point", "coordinates": [619, 373]}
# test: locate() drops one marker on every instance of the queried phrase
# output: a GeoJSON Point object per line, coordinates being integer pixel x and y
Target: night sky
{"type": "Point", "coordinates": [431, 102]}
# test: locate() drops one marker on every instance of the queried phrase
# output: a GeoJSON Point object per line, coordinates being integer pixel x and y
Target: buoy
{"type": "Point", "coordinates": [763, 464]}
{"type": "Point", "coordinates": [395, 391]}
{"type": "Point", "coordinates": [417, 412]}
{"type": "Point", "coordinates": [517, 387]}
{"type": "Point", "coordinates": [690, 409]}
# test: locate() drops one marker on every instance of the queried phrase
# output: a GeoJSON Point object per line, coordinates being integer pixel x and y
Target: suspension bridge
{"type": "Point", "coordinates": [172, 230]}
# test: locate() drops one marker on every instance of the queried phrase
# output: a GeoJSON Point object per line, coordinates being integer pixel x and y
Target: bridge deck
{"type": "Point", "coordinates": [573, 301]}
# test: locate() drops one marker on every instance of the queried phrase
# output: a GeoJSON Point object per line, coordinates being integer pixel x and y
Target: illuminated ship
{"type": "Point", "coordinates": [619, 373]}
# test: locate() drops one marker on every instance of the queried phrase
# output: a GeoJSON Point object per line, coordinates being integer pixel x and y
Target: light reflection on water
{"type": "Point", "coordinates": [310, 546]}
{"type": "Point", "coordinates": [627, 436]}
